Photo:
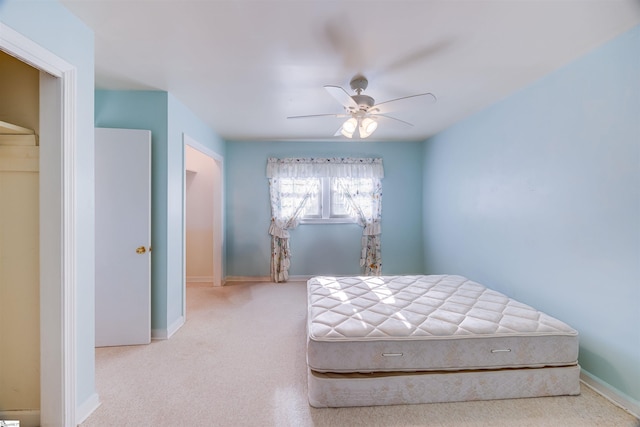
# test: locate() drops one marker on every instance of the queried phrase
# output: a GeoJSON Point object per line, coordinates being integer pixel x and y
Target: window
{"type": "Point", "coordinates": [325, 190]}
{"type": "Point", "coordinates": [326, 205]}
{"type": "Point", "coordinates": [292, 191]}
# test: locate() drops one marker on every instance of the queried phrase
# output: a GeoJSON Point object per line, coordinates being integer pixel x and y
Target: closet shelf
{"type": "Point", "coordinates": [12, 135]}
{"type": "Point", "coordinates": [11, 129]}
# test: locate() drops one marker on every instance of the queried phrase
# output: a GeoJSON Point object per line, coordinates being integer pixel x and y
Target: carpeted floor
{"type": "Point", "coordinates": [240, 361]}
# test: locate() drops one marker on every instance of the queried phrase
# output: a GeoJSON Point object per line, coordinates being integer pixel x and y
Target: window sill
{"type": "Point", "coordinates": [328, 221]}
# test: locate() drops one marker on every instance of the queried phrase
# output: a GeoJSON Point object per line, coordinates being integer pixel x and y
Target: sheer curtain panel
{"type": "Point", "coordinates": [287, 203]}
{"type": "Point", "coordinates": [365, 203]}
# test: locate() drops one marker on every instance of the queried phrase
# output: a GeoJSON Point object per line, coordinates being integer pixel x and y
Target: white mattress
{"type": "Point", "coordinates": [427, 323]}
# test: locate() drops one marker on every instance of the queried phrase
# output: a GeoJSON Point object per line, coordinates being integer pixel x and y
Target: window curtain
{"type": "Point", "coordinates": [368, 207]}
{"type": "Point", "coordinates": [334, 167]}
{"type": "Point", "coordinates": [285, 217]}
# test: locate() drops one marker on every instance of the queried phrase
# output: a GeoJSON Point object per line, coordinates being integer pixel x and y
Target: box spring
{"type": "Point", "coordinates": [398, 388]}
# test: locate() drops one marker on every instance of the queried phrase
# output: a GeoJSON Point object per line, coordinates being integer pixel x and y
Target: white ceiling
{"type": "Point", "coordinates": [243, 66]}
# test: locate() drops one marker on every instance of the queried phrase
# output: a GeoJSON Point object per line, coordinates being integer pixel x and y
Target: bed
{"type": "Point", "coordinates": [422, 339]}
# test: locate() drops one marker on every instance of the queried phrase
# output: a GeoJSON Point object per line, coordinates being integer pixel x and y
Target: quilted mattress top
{"type": "Point", "coordinates": [418, 308]}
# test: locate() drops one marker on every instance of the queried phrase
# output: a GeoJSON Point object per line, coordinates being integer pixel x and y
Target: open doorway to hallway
{"type": "Point", "coordinates": [203, 236]}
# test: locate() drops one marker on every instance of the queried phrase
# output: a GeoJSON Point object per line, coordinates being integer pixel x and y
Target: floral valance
{"type": "Point", "coordinates": [337, 167]}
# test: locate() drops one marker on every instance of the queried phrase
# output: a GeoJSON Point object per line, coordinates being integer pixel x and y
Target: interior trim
{"type": "Point", "coordinates": [610, 393]}
{"type": "Point", "coordinates": [58, 235]}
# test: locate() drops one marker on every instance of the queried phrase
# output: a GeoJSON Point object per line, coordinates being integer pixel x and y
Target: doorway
{"type": "Point", "coordinates": [202, 215]}
{"type": "Point", "coordinates": [57, 236]}
{"type": "Point", "coordinates": [19, 240]}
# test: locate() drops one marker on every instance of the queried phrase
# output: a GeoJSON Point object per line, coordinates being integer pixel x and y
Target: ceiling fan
{"type": "Point", "coordinates": [361, 111]}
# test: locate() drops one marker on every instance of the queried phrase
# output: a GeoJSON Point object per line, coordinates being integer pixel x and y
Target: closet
{"type": "Point", "coordinates": [19, 239]}
{"type": "Point", "coordinates": [19, 269]}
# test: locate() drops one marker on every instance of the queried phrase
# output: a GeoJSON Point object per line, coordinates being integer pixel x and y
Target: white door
{"type": "Point", "coordinates": [123, 236]}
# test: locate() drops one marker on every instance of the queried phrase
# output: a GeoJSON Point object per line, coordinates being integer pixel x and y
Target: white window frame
{"type": "Point", "coordinates": [325, 206]}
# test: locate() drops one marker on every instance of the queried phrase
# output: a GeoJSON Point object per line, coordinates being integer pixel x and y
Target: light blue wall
{"type": "Point", "coordinates": [146, 110]}
{"type": "Point", "coordinates": [322, 249]}
{"type": "Point", "coordinates": [539, 197]}
{"type": "Point", "coordinates": [168, 119]}
{"type": "Point", "coordinates": [51, 26]}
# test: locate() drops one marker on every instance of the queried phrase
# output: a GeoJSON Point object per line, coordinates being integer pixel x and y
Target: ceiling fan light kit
{"type": "Point", "coordinates": [367, 127]}
{"type": "Point", "coordinates": [349, 127]}
{"type": "Point", "coordinates": [362, 111]}
{"type": "Point", "coordinates": [364, 126]}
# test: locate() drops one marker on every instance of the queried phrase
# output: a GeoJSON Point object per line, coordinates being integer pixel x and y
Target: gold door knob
{"type": "Point", "coordinates": [141, 250]}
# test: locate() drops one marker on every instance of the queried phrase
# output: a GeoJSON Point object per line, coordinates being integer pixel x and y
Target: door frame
{"type": "Point", "coordinates": [217, 217]}
{"type": "Point", "coordinates": [58, 123]}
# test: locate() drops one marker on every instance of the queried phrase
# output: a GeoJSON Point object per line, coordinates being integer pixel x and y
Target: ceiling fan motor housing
{"type": "Point", "coordinates": [364, 102]}
{"type": "Point", "coordinates": [359, 83]}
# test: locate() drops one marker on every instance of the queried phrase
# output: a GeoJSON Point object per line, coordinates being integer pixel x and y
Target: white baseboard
{"type": "Point", "coordinates": [615, 396]}
{"type": "Point", "coordinates": [173, 328]}
{"type": "Point", "coordinates": [165, 334]}
{"type": "Point", "coordinates": [27, 418]}
{"type": "Point", "coordinates": [300, 278]}
{"type": "Point", "coordinates": [231, 279]}
{"type": "Point", "coordinates": [86, 408]}
{"type": "Point", "coordinates": [199, 279]}
{"type": "Point", "coordinates": [159, 334]}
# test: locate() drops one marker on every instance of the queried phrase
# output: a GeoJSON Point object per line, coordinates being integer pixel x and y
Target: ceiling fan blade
{"type": "Point", "coordinates": [375, 116]}
{"type": "Point", "coordinates": [345, 39]}
{"type": "Point", "coordinates": [383, 107]}
{"type": "Point", "coordinates": [342, 96]}
{"type": "Point", "coordinates": [416, 57]}
{"type": "Point", "coordinates": [337, 116]}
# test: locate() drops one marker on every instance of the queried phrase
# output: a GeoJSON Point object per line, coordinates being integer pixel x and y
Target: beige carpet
{"type": "Point", "coordinates": [240, 361]}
